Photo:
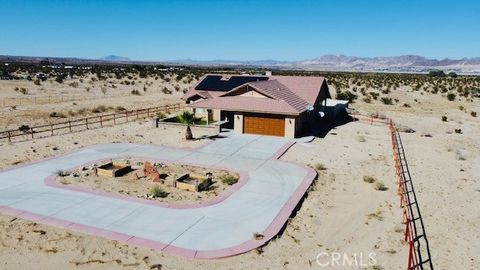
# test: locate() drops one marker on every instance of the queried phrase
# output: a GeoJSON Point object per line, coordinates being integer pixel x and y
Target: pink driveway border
{"type": "Point", "coordinates": [272, 230]}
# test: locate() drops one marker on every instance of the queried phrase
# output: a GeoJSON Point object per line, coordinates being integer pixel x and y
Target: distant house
{"type": "Point", "coordinates": [267, 105]}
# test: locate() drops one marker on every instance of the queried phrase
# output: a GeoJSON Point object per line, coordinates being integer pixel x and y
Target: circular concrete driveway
{"type": "Point", "coordinates": [262, 203]}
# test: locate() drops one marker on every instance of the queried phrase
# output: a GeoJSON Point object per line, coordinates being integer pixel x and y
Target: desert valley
{"type": "Point", "coordinates": [352, 206]}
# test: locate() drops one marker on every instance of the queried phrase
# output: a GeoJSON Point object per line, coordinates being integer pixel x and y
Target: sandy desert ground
{"type": "Point", "coordinates": [341, 212]}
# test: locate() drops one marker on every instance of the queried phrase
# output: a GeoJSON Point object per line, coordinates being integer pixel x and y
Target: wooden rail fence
{"type": "Point", "coordinates": [76, 125]}
{"type": "Point", "coordinates": [29, 100]}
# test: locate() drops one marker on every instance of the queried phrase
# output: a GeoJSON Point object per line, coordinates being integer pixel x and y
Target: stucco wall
{"type": "Point", "coordinates": [216, 115]}
{"type": "Point", "coordinates": [238, 123]}
{"type": "Point", "coordinates": [290, 127]}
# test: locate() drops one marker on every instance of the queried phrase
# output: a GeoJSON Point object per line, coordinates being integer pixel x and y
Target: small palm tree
{"type": "Point", "coordinates": [188, 119]}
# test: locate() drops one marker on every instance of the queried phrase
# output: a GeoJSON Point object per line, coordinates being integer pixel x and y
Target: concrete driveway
{"type": "Point", "coordinates": [260, 203]}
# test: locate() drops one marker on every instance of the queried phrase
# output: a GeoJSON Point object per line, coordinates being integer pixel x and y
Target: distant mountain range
{"type": "Point", "coordinates": [404, 63]}
{"type": "Point", "coordinates": [115, 58]}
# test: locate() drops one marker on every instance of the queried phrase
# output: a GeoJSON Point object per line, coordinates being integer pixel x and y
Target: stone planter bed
{"type": "Point", "coordinates": [136, 184]}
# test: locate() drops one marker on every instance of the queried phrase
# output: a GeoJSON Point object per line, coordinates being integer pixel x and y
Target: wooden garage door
{"type": "Point", "coordinates": [264, 124]}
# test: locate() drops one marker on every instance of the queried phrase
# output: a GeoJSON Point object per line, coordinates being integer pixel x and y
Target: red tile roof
{"type": "Point", "coordinates": [275, 90]}
{"type": "Point", "coordinates": [284, 95]}
{"type": "Point", "coordinates": [246, 104]}
{"type": "Point", "coordinates": [306, 87]}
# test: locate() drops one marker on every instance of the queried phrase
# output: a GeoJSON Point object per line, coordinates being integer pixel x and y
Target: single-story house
{"type": "Point", "coordinates": [267, 105]}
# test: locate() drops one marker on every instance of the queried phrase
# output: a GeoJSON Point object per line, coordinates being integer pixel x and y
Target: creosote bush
{"type": "Point", "coordinates": [369, 179]}
{"type": "Point", "coordinates": [347, 95]}
{"type": "Point", "coordinates": [57, 115]}
{"type": "Point", "coordinates": [99, 109]}
{"type": "Point", "coordinates": [228, 179]}
{"type": "Point", "coordinates": [158, 192]}
{"type": "Point", "coordinates": [135, 92]}
{"type": "Point", "coordinates": [320, 167]}
{"type": "Point", "coordinates": [24, 128]}
{"type": "Point", "coordinates": [120, 109]}
{"type": "Point", "coordinates": [380, 186]}
{"type": "Point", "coordinates": [387, 101]}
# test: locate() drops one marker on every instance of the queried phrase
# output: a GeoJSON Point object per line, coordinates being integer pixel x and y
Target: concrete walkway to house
{"type": "Point", "coordinates": [269, 194]}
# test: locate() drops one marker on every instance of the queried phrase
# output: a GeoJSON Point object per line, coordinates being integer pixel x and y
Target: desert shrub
{"type": "Point", "coordinates": [82, 111]}
{"type": "Point", "coordinates": [376, 267]}
{"type": "Point", "coordinates": [158, 192]}
{"type": "Point", "coordinates": [452, 74]}
{"type": "Point", "coordinates": [177, 87]}
{"type": "Point", "coordinates": [320, 167]}
{"type": "Point", "coordinates": [451, 96]}
{"type": "Point", "coordinates": [473, 113]}
{"type": "Point", "coordinates": [367, 100]}
{"type": "Point", "coordinates": [99, 109]}
{"type": "Point", "coordinates": [24, 128]}
{"type": "Point", "coordinates": [386, 100]}
{"type": "Point", "coordinates": [37, 82]}
{"type": "Point", "coordinates": [161, 115]}
{"type": "Point", "coordinates": [406, 105]}
{"type": "Point", "coordinates": [73, 84]}
{"type": "Point", "coordinates": [24, 90]}
{"type": "Point", "coordinates": [135, 92]}
{"type": "Point", "coordinates": [437, 73]}
{"type": "Point", "coordinates": [380, 186]}
{"type": "Point", "coordinates": [57, 115]}
{"type": "Point", "coordinates": [228, 179]}
{"type": "Point", "coordinates": [444, 118]}
{"type": "Point", "coordinates": [458, 130]}
{"type": "Point", "coordinates": [258, 236]}
{"type": "Point", "coordinates": [374, 95]}
{"type": "Point", "coordinates": [166, 91]}
{"type": "Point", "coordinates": [347, 95]}
{"type": "Point", "coordinates": [59, 79]}
{"type": "Point", "coordinates": [406, 129]}
{"type": "Point", "coordinates": [120, 109]}
{"type": "Point", "coordinates": [361, 139]}
{"type": "Point", "coordinates": [61, 173]}
{"type": "Point", "coordinates": [369, 179]}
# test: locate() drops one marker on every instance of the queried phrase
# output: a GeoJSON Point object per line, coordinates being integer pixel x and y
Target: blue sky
{"type": "Point", "coordinates": [240, 30]}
